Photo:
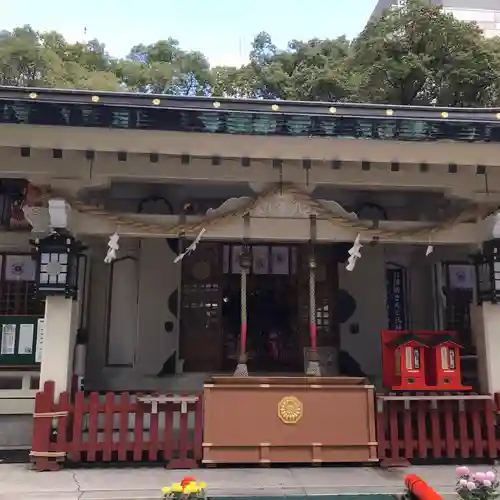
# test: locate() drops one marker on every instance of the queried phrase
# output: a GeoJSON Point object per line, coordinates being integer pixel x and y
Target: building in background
{"type": "Point", "coordinates": [486, 13]}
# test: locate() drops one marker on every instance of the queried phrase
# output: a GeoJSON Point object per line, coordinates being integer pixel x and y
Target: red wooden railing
{"type": "Point", "coordinates": [436, 429]}
{"type": "Point", "coordinates": [114, 428]}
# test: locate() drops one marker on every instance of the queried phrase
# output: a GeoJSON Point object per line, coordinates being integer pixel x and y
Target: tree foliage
{"type": "Point", "coordinates": [414, 55]}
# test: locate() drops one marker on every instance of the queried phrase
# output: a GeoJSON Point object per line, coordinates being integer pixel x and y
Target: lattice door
{"type": "Point", "coordinates": [201, 342]}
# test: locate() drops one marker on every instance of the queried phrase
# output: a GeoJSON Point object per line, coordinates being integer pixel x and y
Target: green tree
{"type": "Point", "coordinates": [32, 59]}
{"type": "Point", "coordinates": [163, 67]}
{"type": "Point", "coordinates": [421, 55]}
{"type": "Point", "coordinates": [229, 81]}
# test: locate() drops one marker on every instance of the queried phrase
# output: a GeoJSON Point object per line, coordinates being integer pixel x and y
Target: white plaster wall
{"type": "Point", "coordinates": [139, 310]}
{"type": "Point", "coordinates": [486, 326]}
{"type": "Point", "coordinates": [159, 278]}
{"type": "Point", "coordinates": [366, 283]}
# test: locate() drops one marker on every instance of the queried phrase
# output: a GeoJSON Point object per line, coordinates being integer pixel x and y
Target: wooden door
{"type": "Point", "coordinates": [201, 341]}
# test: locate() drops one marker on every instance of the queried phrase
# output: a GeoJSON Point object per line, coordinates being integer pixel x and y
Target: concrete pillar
{"type": "Point", "coordinates": [486, 328]}
{"type": "Point", "coordinates": [61, 322]}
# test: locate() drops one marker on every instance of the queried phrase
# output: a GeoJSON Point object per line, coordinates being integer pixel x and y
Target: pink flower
{"type": "Point", "coordinates": [462, 471]}
{"type": "Point", "coordinates": [463, 483]}
{"type": "Point", "coordinates": [471, 486]}
{"type": "Point", "coordinates": [490, 475]}
{"type": "Point", "coordinates": [487, 483]}
{"type": "Point", "coordinates": [480, 476]}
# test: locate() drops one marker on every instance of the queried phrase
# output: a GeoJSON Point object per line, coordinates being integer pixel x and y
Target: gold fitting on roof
{"type": "Point", "coordinates": [95, 98]}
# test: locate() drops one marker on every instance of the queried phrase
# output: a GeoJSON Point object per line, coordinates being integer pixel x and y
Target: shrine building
{"type": "Point", "coordinates": [237, 262]}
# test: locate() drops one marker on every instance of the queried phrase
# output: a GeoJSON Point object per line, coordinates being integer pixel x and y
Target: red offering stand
{"type": "Point", "coordinates": [409, 363]}
{"type": "Point", "coordinates": [444, 365]}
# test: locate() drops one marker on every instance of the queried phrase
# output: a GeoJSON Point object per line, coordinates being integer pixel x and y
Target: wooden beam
{"type": "Point", "coordinates": [238, 146]}
{"type": "Point", "coordinates": [75, 169]}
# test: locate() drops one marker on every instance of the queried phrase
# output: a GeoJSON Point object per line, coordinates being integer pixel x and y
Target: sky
{"type": "Point", "coordinates": [220, 29]}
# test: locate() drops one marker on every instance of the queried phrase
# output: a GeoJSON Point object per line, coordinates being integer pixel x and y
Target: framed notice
{"type": "Point", "coordinates": [8, 339]}
{"type": "Point", "coordinates": [26, 338]}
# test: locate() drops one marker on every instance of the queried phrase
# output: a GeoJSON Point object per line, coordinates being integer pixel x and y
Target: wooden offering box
{"type": "Point", "coordinates": [288, 420]}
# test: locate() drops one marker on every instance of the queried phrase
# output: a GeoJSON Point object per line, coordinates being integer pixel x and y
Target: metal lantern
{"type": "Point", "coordinates": [57, 265]}
{"type": "Point", "coordinates": [488, 272]}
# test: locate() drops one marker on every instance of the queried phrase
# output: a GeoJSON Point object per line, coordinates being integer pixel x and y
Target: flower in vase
{"type": "Point", "coordinates": [487, 483]}
{"type": "Point", "coordinates": [491, 475]}
{"type": "Point", "coordinates": [480, 476]}
{"type": "Point", "coordinates": [462, 471]}
{"type": "Point", "coordinates": [471, 486]}
{"type": "Point", "coordinates": [463, 483]}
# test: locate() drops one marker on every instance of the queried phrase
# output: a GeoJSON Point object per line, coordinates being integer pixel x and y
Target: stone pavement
{"type": "Point", "coordinates": [18, 482]}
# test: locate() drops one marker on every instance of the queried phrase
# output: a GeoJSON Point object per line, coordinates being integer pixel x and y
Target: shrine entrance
{"type": "Point", "coordinates": [277, 307]}
{"type": "Point", "coordinates": [272, 298]}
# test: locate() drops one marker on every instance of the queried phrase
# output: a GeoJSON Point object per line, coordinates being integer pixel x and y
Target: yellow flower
{"type": "Point", "coordinates": [203, 485]}
{"type": "Point", "coordinates": [191, 488]}
{"type": "Point", "coordinates": [176, 488]}
{"type": "Point", "coordinates": [165, 490]}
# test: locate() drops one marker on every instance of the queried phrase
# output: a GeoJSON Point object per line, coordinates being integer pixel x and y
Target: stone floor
{"type": "Point", "coordinates": [17, 481]}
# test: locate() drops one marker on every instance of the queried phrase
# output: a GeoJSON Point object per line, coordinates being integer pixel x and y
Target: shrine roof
{"type": "Point", "coordinates": [442, 339]}
{"type": "Point", "coordinates": [126, 110]}
{"type": "Point", "coordinates": [406, 339]}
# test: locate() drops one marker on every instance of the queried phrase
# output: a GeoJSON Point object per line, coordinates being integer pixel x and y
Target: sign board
{"type": "Point", "coordinates": [396, 298]}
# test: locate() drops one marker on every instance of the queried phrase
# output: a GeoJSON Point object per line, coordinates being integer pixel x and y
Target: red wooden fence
{"type": "Point", "coordinates": [114, 428]}
{"type": "Point", "coordinates": [436, 429]}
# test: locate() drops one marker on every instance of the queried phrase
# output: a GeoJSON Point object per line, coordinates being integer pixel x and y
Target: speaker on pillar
{"type": "Point", "coordinates": [57, 265]}
{"type": "Point", "coordinates": [487, 265]}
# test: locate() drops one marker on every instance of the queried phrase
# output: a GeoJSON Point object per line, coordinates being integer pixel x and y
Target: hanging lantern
{"type": "Point", "coordinates": [57, 265]}
{"type": "Point", "coordinates": [488, 272]}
